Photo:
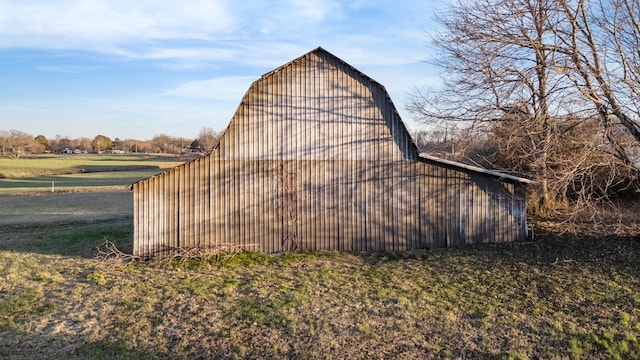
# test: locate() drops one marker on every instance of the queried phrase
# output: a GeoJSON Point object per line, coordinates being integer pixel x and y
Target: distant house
{"type": "Point", "coordinates": [192, 149]}
{"type": "Point", "coordinates": [74, 151]}
{"type": "Point", "coordinates": [317, 158]}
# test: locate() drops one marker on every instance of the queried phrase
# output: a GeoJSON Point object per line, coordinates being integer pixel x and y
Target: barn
{"type": "Point", "coordinates": [316, 157]}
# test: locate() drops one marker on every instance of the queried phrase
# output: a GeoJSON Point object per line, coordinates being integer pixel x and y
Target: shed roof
{"type": "Point", "coordinates": [476, 169]}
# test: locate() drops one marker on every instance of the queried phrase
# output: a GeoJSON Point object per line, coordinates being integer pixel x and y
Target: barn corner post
{"type": "Point", "coordinates": [317, 158]}
{"type": "Point", "coordinates": [136, 227]}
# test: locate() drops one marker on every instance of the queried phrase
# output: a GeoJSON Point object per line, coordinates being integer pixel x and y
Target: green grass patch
{"type": "Point", "coordinates": [51, 210]}
{"type": "Point", "coordinates": [73, 239]}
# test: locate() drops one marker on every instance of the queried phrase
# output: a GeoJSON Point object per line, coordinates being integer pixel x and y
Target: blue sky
{"type": "Point", "coordinates": [135, 69]}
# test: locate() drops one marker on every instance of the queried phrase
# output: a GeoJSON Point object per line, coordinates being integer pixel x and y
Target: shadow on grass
{"type": "Point", "coordinates": [469, 302]}
{"type": "Point", "coordinates": [620, 253]}
{"type": "Point", "coordinates": [81, 238]}
{"type": "Point", "coordinates": [74, 239]}
{"type": "Point", "coordinates": [111, 168]}
{"type": "Point", "coordinates": [47, 346]}
{"type": "Point", "coordinates": [137, 157]}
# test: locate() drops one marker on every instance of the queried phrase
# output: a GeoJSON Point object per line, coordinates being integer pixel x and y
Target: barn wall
{"type": "Point", "coordinates": [282, 205]}
{"type": "Point", "coordinates": [317, 158]}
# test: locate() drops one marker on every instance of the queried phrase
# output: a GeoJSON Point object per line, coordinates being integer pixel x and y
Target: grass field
{"type": "Point", "coordinates": [557, 297]}
{"type": "Point", "coordinates": [79, 173]}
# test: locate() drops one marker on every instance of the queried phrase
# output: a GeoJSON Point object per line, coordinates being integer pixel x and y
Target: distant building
{"type": "Point", "coordinates": [192, 149]}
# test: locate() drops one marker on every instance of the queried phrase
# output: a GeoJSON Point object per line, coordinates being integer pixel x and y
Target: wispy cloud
{"type": "Point", "coordinates": [282, 18]}
{"type": "Point", "coordinates": [69, 69]}
{"type": "Point", "coordinates": [230, 88]}
{"type": "Point", "coordinates": [174, 34]}
{"type": "Point", "coordinates": [78, 24]}
{"type": "Point", "coordinates": [188, 34]}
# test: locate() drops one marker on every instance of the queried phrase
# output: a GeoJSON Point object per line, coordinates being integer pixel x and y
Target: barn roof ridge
{"type": "Point", "coordinates": [353, 68]}
{"type": "Point", "coordinates": [319, 49]}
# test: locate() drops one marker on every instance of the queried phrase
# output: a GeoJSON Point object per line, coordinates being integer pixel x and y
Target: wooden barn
{"type": "Point", "coordinates": [317, 158]}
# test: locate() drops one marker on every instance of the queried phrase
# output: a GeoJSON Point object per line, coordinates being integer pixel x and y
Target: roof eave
{"type": "Point", "coordinates": [477, 169]}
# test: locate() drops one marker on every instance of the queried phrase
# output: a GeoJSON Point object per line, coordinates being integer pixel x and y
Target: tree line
{"type": "Point", "coordinates": [15, 144]}
{"type": "Point", "coordinates": [548, 89]}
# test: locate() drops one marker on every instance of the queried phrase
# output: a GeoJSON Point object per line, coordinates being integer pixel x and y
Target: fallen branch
{"type": "Point", "coordinates": [564, 261]}
{"type": "Point", "coordinates": [108, 252]}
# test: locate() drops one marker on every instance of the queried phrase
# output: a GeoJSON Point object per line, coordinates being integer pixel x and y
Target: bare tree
{"type": "Point", "coordinates": [136, 146]}
{"type": "Point", "coordinates": [17, 144]}
{"type": "Point", "coordinates": [524, 75]}
{"type": "Point", "coordinates": [84, 144]}
{"type": "Point", "coordinates": [600, 41]}
{"type": "Point", "coordinates": [168, 144]}
{"type": "Point", "coordinates": [60, 143]}
{"type": "Point", "coordinates": [496, 56]}
{"type": "Point", "coordinates": [208, 138]}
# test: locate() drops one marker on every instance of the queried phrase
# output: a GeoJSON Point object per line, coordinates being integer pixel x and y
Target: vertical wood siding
{"type": "Point", "coordinates": [317, 158]}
